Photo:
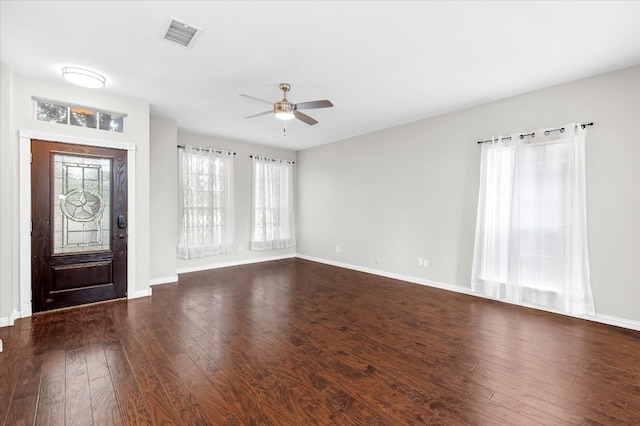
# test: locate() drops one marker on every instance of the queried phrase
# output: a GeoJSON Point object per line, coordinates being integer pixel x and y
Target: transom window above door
{"type": "Point", "coordinates": [81, 116]}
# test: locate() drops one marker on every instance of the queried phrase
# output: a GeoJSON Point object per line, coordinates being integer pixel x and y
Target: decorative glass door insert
{"type": "Point", "coordinates": [81, 203]}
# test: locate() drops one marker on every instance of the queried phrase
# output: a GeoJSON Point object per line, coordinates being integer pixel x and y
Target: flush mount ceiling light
{"type": "Point", "coordinates": [83, 77]}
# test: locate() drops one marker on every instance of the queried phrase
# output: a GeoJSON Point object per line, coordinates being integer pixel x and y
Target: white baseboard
{"type": "Point", "coordinates": [600, 318]}
{"type": "Point", "coordinates": [407, 278]}
{"type": "Point", "coordinates": [163, 280]}
{"type": "Point", "coordinates": [618, 322]}
{"type": "Point", "coordinates": [7, 321]}
{"type": "Point", "coordinates": [140, 293]}
{"type": "Point", "coordinates": [17, 314]}
{"type": "Point", "coordinates": [233, 263]}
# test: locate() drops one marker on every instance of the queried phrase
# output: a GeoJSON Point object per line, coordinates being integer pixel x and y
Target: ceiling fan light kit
{"type": "Point", "coordinates": [285, 110]}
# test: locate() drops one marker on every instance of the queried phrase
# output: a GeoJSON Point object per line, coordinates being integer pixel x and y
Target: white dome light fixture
{"type": "Point", "coordinates": [83, 77]}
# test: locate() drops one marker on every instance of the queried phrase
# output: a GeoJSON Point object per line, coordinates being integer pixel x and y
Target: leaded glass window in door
{"type": "Point", "coordinates": [81, 204]}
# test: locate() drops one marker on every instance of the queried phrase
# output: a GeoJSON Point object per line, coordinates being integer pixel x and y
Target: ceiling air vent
{"type": "Point", "coordinates": [182, 33]}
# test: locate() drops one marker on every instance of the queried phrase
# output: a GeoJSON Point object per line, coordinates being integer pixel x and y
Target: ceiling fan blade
{"type": "Point", "coordinates": [260, 113]}
{"type": "Point", "coordinates": [304, 117]}
{"type": "Point", "coordinates": [314, 104]}
{"type": "Point", "coordinates": [256, 99]}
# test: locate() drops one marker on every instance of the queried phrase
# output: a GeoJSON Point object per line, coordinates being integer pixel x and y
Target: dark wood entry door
{"type": "Point", "coordinates": [79, 219]}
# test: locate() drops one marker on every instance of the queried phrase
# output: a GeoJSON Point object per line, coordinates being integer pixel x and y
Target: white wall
{"type": "Point", "coordinates": [9, 273]}
{"type": "Point", "coordinates": [411, 191]}
{"type": "Point", "coordinates": [164, 216]}
{"type": "Point", "coordinates": [21, 117]}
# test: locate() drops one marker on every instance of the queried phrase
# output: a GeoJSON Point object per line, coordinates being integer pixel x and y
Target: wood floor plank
{"type": "Point", "coordinates": [77, 392]}
{"type": "Point", "coordinates": [160, 407]}
{"type": "Point", "coordinates": [140, 365]}
{"type": "Point", "coordinates": [24, 399]}
{"type": "Point", "coordinates": [53, 364]}
{"type": "Point", "coordinates": [51, 401]}
{"type": "Point", "coordinates": [202, 359]}
{"type": "Point", "coordinates": [28, 382]}
{"type": "Point", "coordinates": [11, 361]}
{"type": "Point", "coordinates": [22, 411]}
{"type": "Point", "coordinates": [6, 395]}
{"type": "Point", "coordinates": [598, 409]}
{"type": "Point", "coordinates": [529, 411]}
{"type": "Point", "coordinates": [224, 398]}
{"type": "Point", "coordinates": [218, 408]}
{"type": "Point", "coordinates": [133, 407]}
{"type": "Point", "coordinates": [104, 405]}
{"type": "Point", "coordinates": [97, 366]}
{"type": "Point", "coordinates": [178, 391]}
{"type": "Point", "coordinates": [296, 405]}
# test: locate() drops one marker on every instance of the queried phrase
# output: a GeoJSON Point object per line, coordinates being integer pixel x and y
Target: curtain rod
{"type": "Point", "coordinates": [546, 132]}
{"type": "Point", "coordinates": [271, 159]}
{"type": "Point", "coordinates": [217, 151]}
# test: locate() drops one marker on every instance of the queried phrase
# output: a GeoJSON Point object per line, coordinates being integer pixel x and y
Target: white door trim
{"type": "Point", "coordinates": [25, 208]}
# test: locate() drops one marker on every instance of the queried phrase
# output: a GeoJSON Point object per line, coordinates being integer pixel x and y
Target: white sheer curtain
{"type": "Point", "coordinates": [205, 202]}
{"type": "Point", "coordinates": [531, 229]}
{"type": "Point", "coordinates": [273, 216]}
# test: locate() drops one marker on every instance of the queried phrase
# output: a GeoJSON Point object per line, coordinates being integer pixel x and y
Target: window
{"type": "Point", "coordinates": [205, 202]}
{"type": "Point", "coordinates": [54, 112]}
{"type": "Point", "coordinates": [531, 225]}
{"type": "Point", "coordinates": [272, 220]}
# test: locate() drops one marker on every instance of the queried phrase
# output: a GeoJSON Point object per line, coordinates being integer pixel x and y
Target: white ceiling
{"type": "Point", "coordinates": [381, 63]}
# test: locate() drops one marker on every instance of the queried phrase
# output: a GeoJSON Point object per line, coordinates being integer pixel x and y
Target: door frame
{"type": "Point", "coordinates": [25, 209]}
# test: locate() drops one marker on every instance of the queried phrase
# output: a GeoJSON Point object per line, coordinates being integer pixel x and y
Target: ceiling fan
{"type": "Point", "coordinates": [286, 110]}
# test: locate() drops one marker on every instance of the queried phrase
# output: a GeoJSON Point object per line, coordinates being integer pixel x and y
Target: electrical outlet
{"type": "Point", "coordinates": [425, 263]}
{"type": "Point", "coordinates": [378, 261]}
{"type": "Point", "coordinates": [240, 248]}
{"type": "Point", "coordinates": [337, 249]}
{"type": "Point", "coordinates": [420, 261]}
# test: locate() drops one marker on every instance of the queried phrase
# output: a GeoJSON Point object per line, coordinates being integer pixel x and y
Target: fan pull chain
{"type": "Point", "coordinates": [284, 128]}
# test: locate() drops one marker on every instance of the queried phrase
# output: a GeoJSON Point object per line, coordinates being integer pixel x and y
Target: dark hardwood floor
{"type": "Point", "coordinates": [294, 342]}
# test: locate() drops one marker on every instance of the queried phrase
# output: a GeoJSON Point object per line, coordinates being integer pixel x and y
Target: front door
{"type": "Point", "coordinates": [79, 220]}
